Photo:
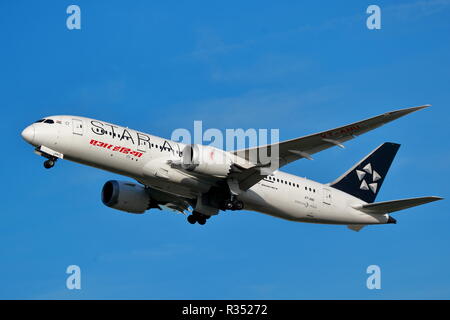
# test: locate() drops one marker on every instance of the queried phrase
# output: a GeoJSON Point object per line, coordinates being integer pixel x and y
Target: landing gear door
{"type": "Point", "coordinates": [327, 196]}
{"type": "Point", "coordinates": [77, 126]}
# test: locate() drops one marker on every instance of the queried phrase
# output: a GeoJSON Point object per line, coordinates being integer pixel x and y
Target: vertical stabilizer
{"type": "Point", "coordinates": [364, 179]}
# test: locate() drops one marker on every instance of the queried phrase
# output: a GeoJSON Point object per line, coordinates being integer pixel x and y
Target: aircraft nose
{"type": "Point", "coordinates": [28, 134]}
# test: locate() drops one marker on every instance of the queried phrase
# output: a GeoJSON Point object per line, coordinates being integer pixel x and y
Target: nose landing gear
{"type": "Point", "coordinates": [49, 154]}
{"type": "Point", "coordinates": [49, 163]}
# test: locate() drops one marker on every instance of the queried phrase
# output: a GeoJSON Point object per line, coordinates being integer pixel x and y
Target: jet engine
{"type": "Point", "coordinates": [206, 160]}
{"type": "Point", "coordinates": [126, 196]}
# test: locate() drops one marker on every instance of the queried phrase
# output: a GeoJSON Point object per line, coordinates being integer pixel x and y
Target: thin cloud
{"type": "Point", "coordinates": [416, 10]}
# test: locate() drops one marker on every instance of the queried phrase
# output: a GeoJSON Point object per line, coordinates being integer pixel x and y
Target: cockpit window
{"type": "Point", "coordinates": [49, 121]}
{"type": "Point", "coordinates": [42, 120]}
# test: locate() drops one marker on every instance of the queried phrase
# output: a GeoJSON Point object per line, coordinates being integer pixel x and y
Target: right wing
{"type": "Point", "coordinates": [303, 147]}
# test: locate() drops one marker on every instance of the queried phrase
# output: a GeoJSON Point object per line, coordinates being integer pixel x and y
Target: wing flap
{"type": "Point", "coordinates": [395, 205]}
{"type": "Point", "coordinates": [248, 177]}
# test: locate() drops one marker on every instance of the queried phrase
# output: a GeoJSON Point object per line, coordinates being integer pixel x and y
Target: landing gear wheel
{"type": "Point", "coordinates": [49, 164]}
{"type": "Point", "coordinates": [233, 204]}
{"type": "Point", "coordinates": [197, 217]}
{"type": "Point", "coordinates": [191, 219]}
{"type": "Point", "coordinates": [238, 205]}
{"type": "Point", "coordinates": [228, 205]}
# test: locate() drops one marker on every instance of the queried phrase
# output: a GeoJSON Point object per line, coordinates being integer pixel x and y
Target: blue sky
{"type": "Point", "coordinates": [300, 67]}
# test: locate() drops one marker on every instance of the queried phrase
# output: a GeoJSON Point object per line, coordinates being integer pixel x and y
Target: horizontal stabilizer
{"type": "Point", "coordinates": [395, 205]}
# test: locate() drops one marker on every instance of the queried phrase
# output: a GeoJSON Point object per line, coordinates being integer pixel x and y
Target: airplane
{"type": "Point", "coordinates": [203, 180]}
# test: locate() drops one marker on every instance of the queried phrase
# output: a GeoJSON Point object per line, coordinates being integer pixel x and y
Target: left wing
{"type": "Point", "coordinates": [168, 200]}
{"type": "Point", "coordinates": [303, 147]}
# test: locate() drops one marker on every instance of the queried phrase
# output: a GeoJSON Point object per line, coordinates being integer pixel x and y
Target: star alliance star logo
{"type": "Point", "coordinates": [367, 170]}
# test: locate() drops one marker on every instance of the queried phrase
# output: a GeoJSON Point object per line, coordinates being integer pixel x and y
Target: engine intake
{"type": "Point", "coordinates": [126, 196]}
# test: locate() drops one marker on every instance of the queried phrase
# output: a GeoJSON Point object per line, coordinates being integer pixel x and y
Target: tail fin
{"type": "Point", "coordinates": [365, 178]}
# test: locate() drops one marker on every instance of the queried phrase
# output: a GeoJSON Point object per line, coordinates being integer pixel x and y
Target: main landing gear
{"type": "Point", "coordinates": [49, 163]}
{"type": "Point", "coordinates": [233, 204]}
{"type": "Point", "coordinates": [216, 201]}
{"type": "Point", "coordinates": [197, 217]}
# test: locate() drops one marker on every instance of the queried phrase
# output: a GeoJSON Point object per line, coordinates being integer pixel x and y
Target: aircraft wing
{"type": "Point", "coordinates": [304, 147]}
{"type": "Point", "coordinates": [167, 200]}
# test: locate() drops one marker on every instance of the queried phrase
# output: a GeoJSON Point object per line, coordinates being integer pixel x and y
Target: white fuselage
{"type": "Point", "coordinates": [145, 158]}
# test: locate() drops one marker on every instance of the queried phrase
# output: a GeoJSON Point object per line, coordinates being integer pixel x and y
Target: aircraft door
{"type": "Point", "coordinates": [326, 196]}
{"type": "Point", "coordinates": [77, 126]}
{"type": "Point", "coordinates": [143, 145]}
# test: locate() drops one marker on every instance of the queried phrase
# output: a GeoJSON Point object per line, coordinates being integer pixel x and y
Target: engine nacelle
{"type": "Point", "coordinates": [126, 196]}
{"type": "Point", "coordinates": [206, 160]}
